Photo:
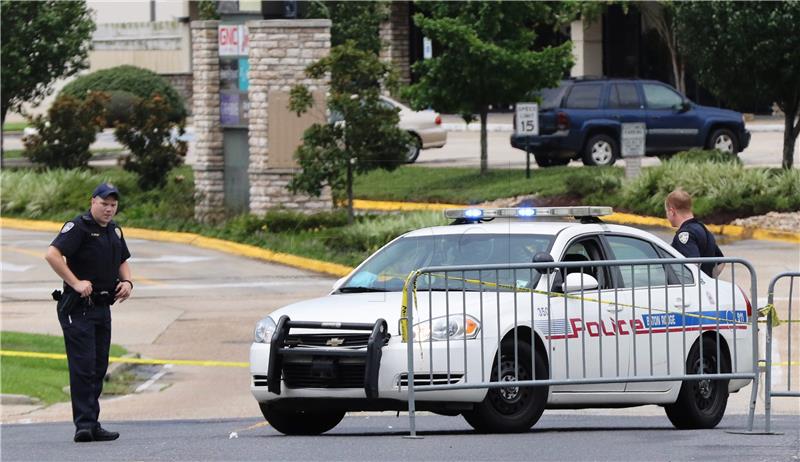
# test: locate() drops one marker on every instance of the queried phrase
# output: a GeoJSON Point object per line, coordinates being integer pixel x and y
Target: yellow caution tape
{"type": "Point", "coordinates": [770, 312]}
{"type": "Point", "coordinates": [113, 359]}
{"type": "Point", "coordinates": [404, 305]}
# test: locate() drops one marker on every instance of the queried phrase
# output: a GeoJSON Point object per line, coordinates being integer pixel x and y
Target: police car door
{"type": "Point", "coordinates": [589, 347]}
{"type": "Point", "coordinates": [652, 298]}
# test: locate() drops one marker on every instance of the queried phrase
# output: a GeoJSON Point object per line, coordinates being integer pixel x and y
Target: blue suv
{"type": "Point", "coordinates": [581, 119]}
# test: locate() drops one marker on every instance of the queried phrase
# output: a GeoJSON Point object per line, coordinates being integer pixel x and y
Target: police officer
{"type": "Point", "coordinates": [96, 274]}
{"type": "Point", "coordinates": [692, 239]}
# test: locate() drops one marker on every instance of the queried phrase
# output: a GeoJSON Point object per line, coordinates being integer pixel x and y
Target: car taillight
{"type": "Point", "coordinates": [746, 302]}
{"type": "Point", "coordinates": [438, 119]}
{"type": "Point", "coordinates": [562, 121]}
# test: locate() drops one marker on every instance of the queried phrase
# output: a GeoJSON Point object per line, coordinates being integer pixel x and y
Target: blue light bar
{"type": "Point", "coordinates": [526, 212]}
{"type": "Point", "coordinates": [473, 213]}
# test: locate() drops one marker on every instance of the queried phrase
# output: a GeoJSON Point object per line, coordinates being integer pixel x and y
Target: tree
{"type": "Point", "coordinates": [744, 52]}
{"type": "Point", "coordinates": [366, 135]}
{"type": "Point", "coordinates": [42, 41]}
{"type": "Point", "coordinates": [485, 55]}
{"type": "Point", "coordinates": [661, 16]}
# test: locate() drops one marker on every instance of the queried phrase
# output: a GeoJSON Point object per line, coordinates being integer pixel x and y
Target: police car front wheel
{"type": "Point", "coordinates": [512, 409]}
{"type": "Point", "coordinates": [297, 422]}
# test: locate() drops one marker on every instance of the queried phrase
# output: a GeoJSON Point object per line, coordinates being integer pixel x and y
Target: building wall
{"type": "Point", "coordinates": [124, 11]}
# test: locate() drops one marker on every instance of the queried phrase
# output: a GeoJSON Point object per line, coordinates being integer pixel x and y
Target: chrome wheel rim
{"type": "Point", "coordinates": [723, 143]}
{"type": "Point", "coordinates": [601, 152]}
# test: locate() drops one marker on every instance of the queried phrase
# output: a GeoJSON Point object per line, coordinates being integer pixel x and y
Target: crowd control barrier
{"type": "Point", "coordinates": [786, 326]}
{"type": "Point", "coordinates": [623, 325]}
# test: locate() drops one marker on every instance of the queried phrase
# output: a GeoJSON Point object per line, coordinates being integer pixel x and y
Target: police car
{"type": "Point", "coordinates": [603, 332]}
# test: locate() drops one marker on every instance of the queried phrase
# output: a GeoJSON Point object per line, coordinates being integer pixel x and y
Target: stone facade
{"type": "Point", "coordinates": [209, 168]}
{"type": "Point", "coordinates": [395, 36]}
{"type": "Point", "coordinates": [280, 50]}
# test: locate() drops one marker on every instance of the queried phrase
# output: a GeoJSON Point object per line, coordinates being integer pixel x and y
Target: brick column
{"type": "Point", "coordinates": [209, 167]}
{"type": "Point", "coordinates": [280, 51]}
{"type": "Point", "coordinates": [394, 34]}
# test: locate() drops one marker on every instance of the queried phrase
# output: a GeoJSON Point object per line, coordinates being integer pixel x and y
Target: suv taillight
{"type": "Point", "coordinates": [562, 121]}
{"type": "Point", "coordinates": [438, 120]}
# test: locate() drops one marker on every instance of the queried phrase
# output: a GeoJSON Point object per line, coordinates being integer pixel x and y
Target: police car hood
{"type": "Point", "coordinates": [371, 306]}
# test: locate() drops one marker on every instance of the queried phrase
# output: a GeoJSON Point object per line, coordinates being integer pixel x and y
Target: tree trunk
{"type": "Point", "coordinates": [2, 140]}
{"type": "Point", "coordinates": [791, 128]}
{"type": "Point", "coordinates": [484, 153]}
{"type": "Point", "coordinates": [350, 217]}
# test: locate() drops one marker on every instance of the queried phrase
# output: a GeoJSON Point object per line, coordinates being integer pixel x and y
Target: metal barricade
{"type": "Point", "coordinates": [769, 366]}
{"type": "Point", "coordinates": [608, 335]}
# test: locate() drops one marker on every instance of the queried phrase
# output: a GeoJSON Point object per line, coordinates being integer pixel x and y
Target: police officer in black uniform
{"type": "Point", "coordinates": [692, 239]}
{"type": "Point", "coordinates": [96, 274]}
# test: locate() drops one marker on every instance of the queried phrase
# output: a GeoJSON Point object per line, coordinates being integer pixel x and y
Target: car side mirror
{"type": "Point", "coordinates": [683, 107]}
{"type": "Point", "coordinates": [576, 282]}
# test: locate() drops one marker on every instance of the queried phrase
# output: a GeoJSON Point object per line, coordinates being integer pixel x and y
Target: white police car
{"type": "Point", "coordinates": [604, 336]}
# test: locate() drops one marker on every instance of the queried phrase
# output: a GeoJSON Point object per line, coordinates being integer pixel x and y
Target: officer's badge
{"type": "Point", "coordinates": [119, 233]}
{"type": "Point", "coordinates": [67, 226]}
{"type": "Point", "coordinates": [683, 237]}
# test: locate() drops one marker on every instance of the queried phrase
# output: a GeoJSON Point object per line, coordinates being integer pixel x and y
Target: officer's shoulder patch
{"type": "Point", "coordinates": [683, 237]}
{"type": "Point", "coordinates": [67, 226]}
{"type": "Point", "coordinates": [119, 232]}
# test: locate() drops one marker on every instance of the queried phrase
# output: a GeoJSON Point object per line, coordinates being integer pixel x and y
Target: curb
{"type": "Point", "coordinates": [12, 400]}
{"type": "Point", "coordinates": [115, 369]}
{"type": "Point", "coordinates": [739, 232]}
{"type": "Point", "coordinates": [244, 250]}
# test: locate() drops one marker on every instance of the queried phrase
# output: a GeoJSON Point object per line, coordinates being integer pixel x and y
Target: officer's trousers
{"type": "Point", "coordinates": [87, 337]}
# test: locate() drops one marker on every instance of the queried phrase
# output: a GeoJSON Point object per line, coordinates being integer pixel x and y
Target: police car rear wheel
{"type": "Point", "coordinates": [701, 403]}
{"type": "Point", "coordinates": [511, 409]}
{"type": "Point", "coordinates": [296, 422]}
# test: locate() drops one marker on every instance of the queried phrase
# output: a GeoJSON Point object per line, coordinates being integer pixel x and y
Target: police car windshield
{"type": "Point", "coordinates": [387, 269]}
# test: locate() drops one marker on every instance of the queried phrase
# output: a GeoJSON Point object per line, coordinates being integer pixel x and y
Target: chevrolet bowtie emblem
{"type": "Point", "coordinates": [335, 342]}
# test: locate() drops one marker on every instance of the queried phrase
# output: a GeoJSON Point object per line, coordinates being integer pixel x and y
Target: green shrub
{"type": "Point", "coordinates": [702, 156]}
{"type": "Point", "coordinates": [64, 136]}
{"type": "Point", "coordinates": [279, 221]}
{"type": "Point", "coordinates": [148, 135]}
{"type": "Point", "coordinates": [583, 182]}
{"type": "Point", "coordinates": [716, 187]}
{"type": "Point", "coordinates": [135, 80]}
{"type": "Point", "coordinates": [368, 235]}
{"type": "Point", "coordinates": [119, 108]}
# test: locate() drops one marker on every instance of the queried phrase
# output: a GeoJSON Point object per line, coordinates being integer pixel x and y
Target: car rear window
{"type": "Point", "coordinates": [584, 96]}
{"type": "Point", "coordinates": [624, 96]}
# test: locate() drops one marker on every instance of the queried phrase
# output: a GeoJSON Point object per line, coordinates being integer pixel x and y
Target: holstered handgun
{"type": "Point", "coordinates": [67, 301]}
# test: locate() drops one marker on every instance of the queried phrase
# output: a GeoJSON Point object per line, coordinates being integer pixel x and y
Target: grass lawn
{"type": "Point", "coordinates": [41, 378]}
{"type": "Point", "coordinates": [18, 153]}
{"type": "Point", "coordinates": [467, 186]}
{"type": "Point", "coordinates": [14, 126]}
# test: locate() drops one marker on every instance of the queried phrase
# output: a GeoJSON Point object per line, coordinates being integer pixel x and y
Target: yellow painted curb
{"type": "Point", "coordinates": [739, 232]}
{"type": "Point", "coordinates": [211, 243]}
{"type": "Point", "coordinates": [114, 359]}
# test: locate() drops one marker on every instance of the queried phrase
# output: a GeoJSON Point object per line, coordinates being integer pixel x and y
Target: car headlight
{"type": "Point", "coordinates": [456, 326]}
{"type": "Point", "coordinates": [264, 330]}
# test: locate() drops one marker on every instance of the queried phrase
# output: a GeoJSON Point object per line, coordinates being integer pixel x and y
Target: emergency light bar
{"type": "Point", "coordinates": [527, 212]}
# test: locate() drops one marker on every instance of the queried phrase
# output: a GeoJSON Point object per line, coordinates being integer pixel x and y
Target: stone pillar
{"type": "Point", "coordinates": [209, 167]}
{"type": "Point", "coordinates": [394, 34]}
{"type": "Point", "coordinates": [587, 46]}
{"type": "Point", "coordinates": [280, 51]}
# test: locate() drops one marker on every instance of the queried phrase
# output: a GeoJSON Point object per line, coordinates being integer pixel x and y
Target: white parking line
{"type": "Point", "coordinates": [153, 379]}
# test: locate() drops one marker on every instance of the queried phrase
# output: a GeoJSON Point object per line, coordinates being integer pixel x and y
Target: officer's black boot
{"type": "Point", "coordinates": [83, 435]}
{"type": "Point", "coordinates": [101, 434]}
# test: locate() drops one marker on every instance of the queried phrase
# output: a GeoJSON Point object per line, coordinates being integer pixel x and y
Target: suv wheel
{"type": "Point", "coordinates": [723, 140]}
{"type": "Point", "coordinates": [600, 150]}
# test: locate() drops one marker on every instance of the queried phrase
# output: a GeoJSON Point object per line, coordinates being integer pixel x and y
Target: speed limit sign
{"type": "Point", "coordinates": [527, 119]}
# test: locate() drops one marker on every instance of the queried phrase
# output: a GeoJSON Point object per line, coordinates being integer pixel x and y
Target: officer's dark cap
{"type": "Point", "coordinates": [104, 190]}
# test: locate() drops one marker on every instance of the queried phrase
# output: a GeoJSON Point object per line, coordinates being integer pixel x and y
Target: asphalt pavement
{"type": "Point", "coordinates": [572, 436]}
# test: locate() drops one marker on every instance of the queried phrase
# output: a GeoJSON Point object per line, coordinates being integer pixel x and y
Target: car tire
{"type": "Point", "coordinates": [600, 150]}
{"type": "Point", "coordinates": [413, 148]}
{"type": "Point", "coordinates": [513, 409]}
{"type": "Point", "coordinates": [724, 140]}
{"type": "Point", "coordinates": [701, 403]}
{"type": "Point", "coordinates": [295, 422]}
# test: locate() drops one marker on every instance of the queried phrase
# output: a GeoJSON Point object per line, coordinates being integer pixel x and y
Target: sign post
{"type": "Point", "coordinates": [632, 138]}
{"type": "Point", "coordinates": [527, 117]}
